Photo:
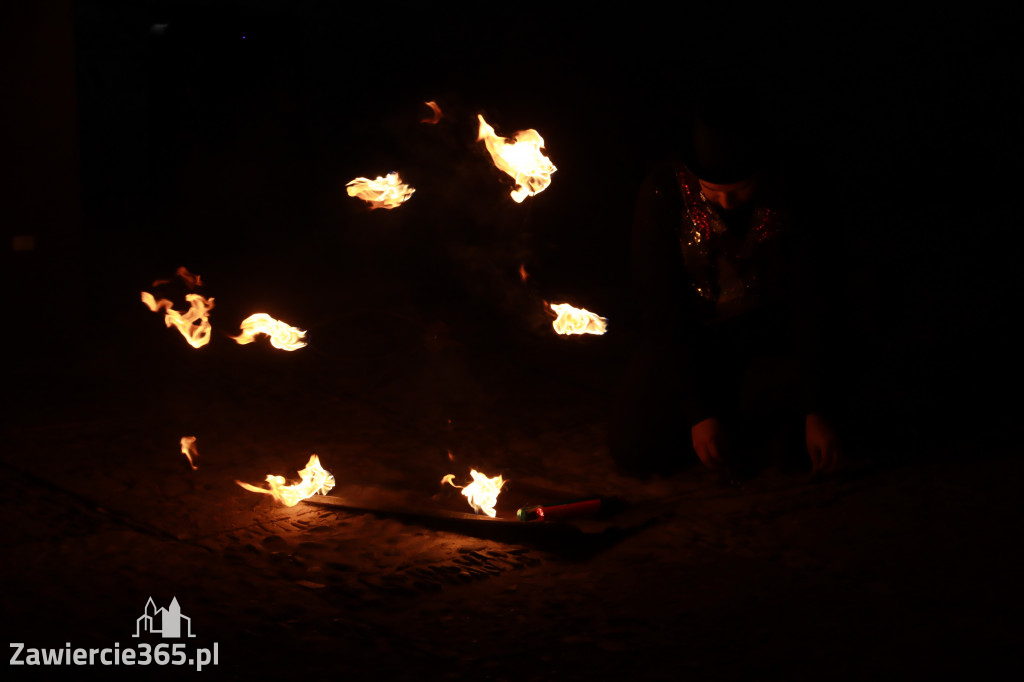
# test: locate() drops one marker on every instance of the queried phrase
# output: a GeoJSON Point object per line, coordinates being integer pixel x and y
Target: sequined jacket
{"type": "Point", "coordinates": [705, 281]}
{"type": "Point", "coordinates": [731, 267]}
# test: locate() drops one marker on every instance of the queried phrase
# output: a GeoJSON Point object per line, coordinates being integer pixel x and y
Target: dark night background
{"type": "Point", "coordinates": [147, 135]}
{"type": "Point", "coordinates": [141, 136]}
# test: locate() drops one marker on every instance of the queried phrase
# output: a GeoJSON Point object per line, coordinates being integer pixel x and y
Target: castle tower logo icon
{"type": "Point", "coordinates": [167, 622]}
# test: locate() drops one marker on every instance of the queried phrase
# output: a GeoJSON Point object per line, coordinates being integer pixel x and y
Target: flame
{"type": "Point", "coordinates": [482, 493]}
{"type": "Point", "coordinates": [523, 274]}
{"type": "Point", "coordinates": [281, 335]}
{"type": "Point", "coordinates": [437, 113]}
{"type": "Point", "coordinates": [193, 325]}
{"type": "Point", "coordinates": [192, 281]}
{"type": "Point", "coordinates": [389, 192]}
{"type": "Point", "coordinates": [315, 479]}
{"type": "Point", "coordinates": [521, 158]}
{"type": "Point", "coordinates": [188, 448]}
{"type": "Point", "coordinates": [577, 320]}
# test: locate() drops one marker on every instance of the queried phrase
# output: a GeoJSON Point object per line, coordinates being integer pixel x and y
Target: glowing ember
{"type": "Point", "coordinates": [188, 448]}
{"type": "Point", "coordinates": [523, 275]}
{"type": "Point", "coordinates": [577, 320]}
{"type": "Point", "coordinates": [437, 113]}
{"type": "Point", "coordinates": [521, 158]}
{"type": "Point", "coordinates": [389, 192]}
{"type": "Point", "coordinates": [193, 325]}
{"type": "Point", "coordinates": [315, 479]}
{"type": "Point", "coordinates": [281, 335]}
{"type": "Point", "coordinates": [482, 493]}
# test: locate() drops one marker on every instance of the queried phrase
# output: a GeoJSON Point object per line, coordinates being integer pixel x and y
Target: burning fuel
{"type": "Point", "coordinates": [194, 325]}
{"type": "Point", "coordinates": [281, 335]}
{"type": "Point", "coordinates": [315, 479]}
{"type": "Point", "coordinates": [572, 320]}
{"type": "Point", "coordinates": [437, 113]}
{"type": "Point", "coordinates": [482, 493]}
{"type": "Point", "coordinates": [521, 158]}
{"type": "Point", "coordinates": [188, 448]}
{"type": "Point", "coordinates": [191, 281]}
{"type": "Point", "coordinates": [389, 192]}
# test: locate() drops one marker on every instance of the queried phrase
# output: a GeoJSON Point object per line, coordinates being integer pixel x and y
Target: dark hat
{"type": "Point", "coordinates": [726, 145]}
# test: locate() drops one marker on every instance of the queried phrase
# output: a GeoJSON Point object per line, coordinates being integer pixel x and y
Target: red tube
{"type": "Point", "coordinates": [562, 510]}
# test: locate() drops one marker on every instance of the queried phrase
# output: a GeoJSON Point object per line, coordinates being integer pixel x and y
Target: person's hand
{"type": "Point", "coordinates": [709, 442]}
{"type": "Point", "coordinates": [822, 444]}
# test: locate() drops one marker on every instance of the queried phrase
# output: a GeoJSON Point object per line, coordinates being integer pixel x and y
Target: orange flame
{"type": "Point", "coordinates": [281, 335]}
{"type": "Point", "coordinates": [523, 275]}
{"type": "Point", "coordinates": [389, 192]}
{"type": "Point", "coordinates": [315, 479]}
{"type": "Point", "coordinates": [520, 158]}
{"type": "Point", "coordinates": [192, 281]}
{"type": "Point", "coordinates": [188, 448]}
{"type": "Point", "coordinates": [437, 113]}
{"type": "Point", "coordinates": [482, 493]}
{"type": "Point", "coordinates": [572, 320]}
{"type": "Point", "coordinates": [193, 325]}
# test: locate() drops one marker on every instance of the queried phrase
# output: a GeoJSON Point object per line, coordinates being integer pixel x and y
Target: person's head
{"type": "Point", "coordinates": [726, 152]}
{"type": "Point", "coordinates": [730, 196]}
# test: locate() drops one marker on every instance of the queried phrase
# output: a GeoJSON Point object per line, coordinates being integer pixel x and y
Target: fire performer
{"type": "Point", "coordinates": [731, 362]}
